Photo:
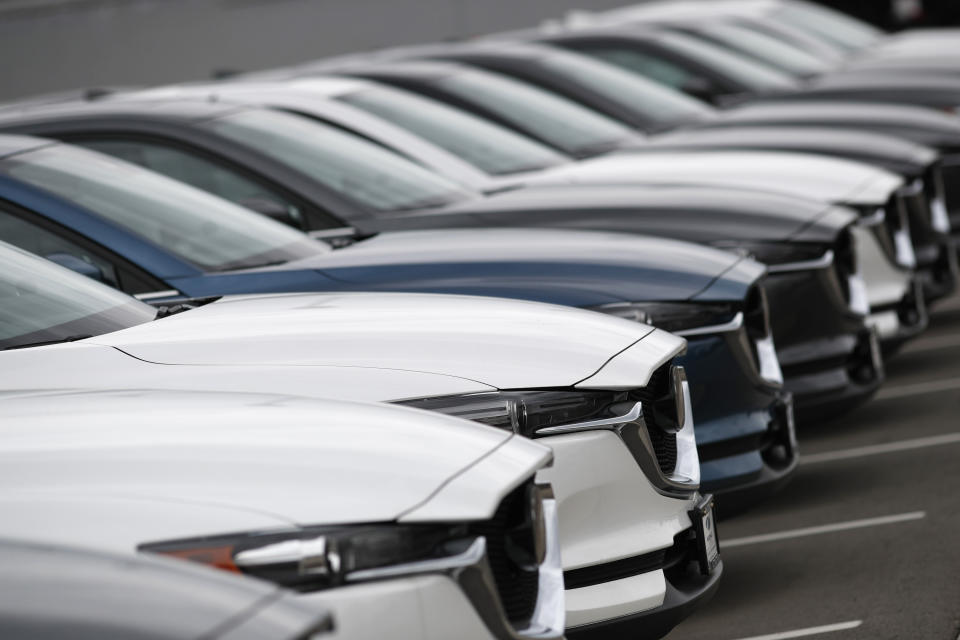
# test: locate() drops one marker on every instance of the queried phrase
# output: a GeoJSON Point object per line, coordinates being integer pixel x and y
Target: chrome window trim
{"type": "Point", "coordinates": [823, 262]}
{"type": "Point", "coordinates": [156, 295]}
{"type": "Point", "coordinates": [726, 327]}
{"type": "Point", "coordinates": [875, 219]}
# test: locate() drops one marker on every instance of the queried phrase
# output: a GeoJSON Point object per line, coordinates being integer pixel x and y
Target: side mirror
{"type": "Point", "coordinates": [79, 265]}
{"type": "Point", "coordinates": [274, 210]}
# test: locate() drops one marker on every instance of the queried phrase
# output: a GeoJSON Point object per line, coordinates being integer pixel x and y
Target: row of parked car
{"type": "Point", "coordinates": [462, 340]}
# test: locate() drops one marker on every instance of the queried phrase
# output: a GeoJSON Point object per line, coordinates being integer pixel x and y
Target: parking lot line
{"type": "Point", "coordinates": [826, 528]}
{"type": "Point", "coordinates": [876, 449]}
{"type": "Point", "coordinates": [810, 631]}
{"type": "Point", "coordinates": [904, 390]}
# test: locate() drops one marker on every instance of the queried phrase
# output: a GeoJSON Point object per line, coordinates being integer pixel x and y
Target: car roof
{"type": "Point", "coordinates": [316, 86]}
{"type": "Point", "coordinates": [413, 69]}
{"type": "Point", "coordinates": [14, 144]}
{"type": "Point", "coordinates": [181, 110]}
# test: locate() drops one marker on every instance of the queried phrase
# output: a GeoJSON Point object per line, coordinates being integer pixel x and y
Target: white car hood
{"type": "Point", "coordinates": [507, 344]}
{"type": "Point", "coordinates": [832, 180]}
{"type": "Point", "coordinates": [112, 469]}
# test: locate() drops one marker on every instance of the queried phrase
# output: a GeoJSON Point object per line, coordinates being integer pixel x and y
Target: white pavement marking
{"type": "Point", "coordinates": [876, 449]}
{"type": "Point", "coordinates": [826, 528]}
{"type": "Point", "coordinates": [932, 344]}
{"type": "Point", "coordinates": [811, 631]}
{"type": "Point", "coordinates": [904, 390]}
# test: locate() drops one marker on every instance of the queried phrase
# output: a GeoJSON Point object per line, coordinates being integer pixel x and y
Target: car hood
{"type": "Point", "coordinates": [694, 213]}
{"type": "Point", "coordinates": [888, 152]}
{"type": "Point", "coordinates": [804, 175]}
{"type": "Point", "coordinates": [507, 344]}
{"type": "Point", "coordinates": [921, 125]}
{"type": "Point", "coordinates": [153, 465]}
{"type": "Point", "coordinates": [579, 268]}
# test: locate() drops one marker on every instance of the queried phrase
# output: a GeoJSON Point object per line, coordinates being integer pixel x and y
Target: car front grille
{"type": "Point", "coordinates": [950, 173]}
{"type": "Point", "coordinates": [511, 554]}
{"type": "Point", "coordinates": [659, 406]}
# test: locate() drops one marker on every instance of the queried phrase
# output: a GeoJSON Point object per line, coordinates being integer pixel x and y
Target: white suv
{"type": "Point", "coordinates": [600, 390]}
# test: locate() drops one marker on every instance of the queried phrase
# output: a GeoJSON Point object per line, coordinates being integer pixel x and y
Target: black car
{"type": "Point", "coordinates": [53, 592]}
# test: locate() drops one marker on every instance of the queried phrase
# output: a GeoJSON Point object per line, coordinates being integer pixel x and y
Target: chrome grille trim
{"type": "Point", "coordinates": [632, 429]}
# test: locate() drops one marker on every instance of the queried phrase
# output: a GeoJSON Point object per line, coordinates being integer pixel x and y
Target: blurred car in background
{"type": "Point", "coordinates": [52, 591]}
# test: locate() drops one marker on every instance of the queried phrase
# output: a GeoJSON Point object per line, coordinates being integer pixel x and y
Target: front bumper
{"type": "Point", "coordinates": [897, 323]}
{"type": "Point", "coordinates": [744, 424]}
{"type": "Point", "coordinates": [937, 270]}
{"type": "Point", "coordinates": [827, 353]}
{"type": "Point", "coordinates": [429, 607]}
{"type": "Point", "coordinates": [685, 590]}
{"type": "Point", "coordinates": [608, 511]}
{"type": "Point", "coordinates": [765, 464]}
{"type": "Point", "coordinates": [847, 373]}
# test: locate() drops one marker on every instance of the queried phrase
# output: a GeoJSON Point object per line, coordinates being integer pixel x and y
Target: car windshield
{"type": "Point", "coordinates": [662, 106]}
{"type": "Point", "coordinates": [357, 169]}
{"type": "Point", "coordinates": [826, 24]}
{"type": "Point", "coordinates": [743, 71]}
{"type": "Point", "coordinates": [206, 231]}
{"type": "Point", "coordinates": [559, 122]}
{"type": "Point", "coordinates": [765, 49]}
{"type": "Point", "coordinates": [494, 149]}
{"type": "Point", "coordinates": [41, 302]}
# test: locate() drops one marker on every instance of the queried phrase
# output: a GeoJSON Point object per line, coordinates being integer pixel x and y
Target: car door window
{"type": "Point", "coordinates": [43, 242]}
{"type": "Point", "coordinates": [658, 69]}
{"type": "Point", "coordinates": [199, 172]}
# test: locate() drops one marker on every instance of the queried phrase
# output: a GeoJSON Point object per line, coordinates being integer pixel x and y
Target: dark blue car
{"type": "Point", "coordinates": [164, 242]}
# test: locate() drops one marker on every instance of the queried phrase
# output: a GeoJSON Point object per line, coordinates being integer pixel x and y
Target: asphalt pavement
{"type": "Point", "coordinates": [865, 542]}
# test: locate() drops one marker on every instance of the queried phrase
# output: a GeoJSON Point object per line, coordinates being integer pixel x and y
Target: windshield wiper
{"type": "Point", "coordinates": [42, 343]}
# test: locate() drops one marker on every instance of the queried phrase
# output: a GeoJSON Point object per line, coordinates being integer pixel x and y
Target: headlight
{"type": "Point", "coordinates": [784, 256]}
{"type": "Point", "coordinates": [526, 412]}
{"type": "Point", "coordinates": [315, 558]}
{"type": "Point", "coordinates": [675, 317]}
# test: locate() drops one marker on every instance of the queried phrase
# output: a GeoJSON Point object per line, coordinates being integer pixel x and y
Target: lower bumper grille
{"type": "Point", "coordinates": [683, 551]}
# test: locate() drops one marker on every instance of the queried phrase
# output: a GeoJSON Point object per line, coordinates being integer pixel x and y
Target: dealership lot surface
{"type": "Point", "coordinates": [863, 544]}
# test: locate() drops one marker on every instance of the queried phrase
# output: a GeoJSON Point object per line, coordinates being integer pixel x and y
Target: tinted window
{"type": "Point", "coordinates": [829, 25]}
{"type": "Point", "coordinates": [766, 49]}
{"type": "Point", "coordinates": [40, 302]}
{"type": "Point", "coordinates": [490, 147]}
{"type": "Point", "coordinates": [649, 65]}
{"type": "Point", "coordinates": [45, 243]}
{"type": "Point", "coordinates": [357, 169]}
{"type": "Point", "coordinates": [193, 170]}
{"type": "Point", "coordinates": [661, 105]}
{"type": "Point", "coordinates": [741, 70]}
{"type": "Point", "coordinates": [560, 122]}
{"type": "Point", "coordinates": [205, 230]}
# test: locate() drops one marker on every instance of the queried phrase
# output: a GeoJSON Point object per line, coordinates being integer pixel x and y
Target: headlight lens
{"type": "Point", "coordinates": [315, 558]}
{"type": "Point", "coordinates": [675, 317]}
{"type": "Point", "coordinates": [525, 412]}
{"type": "Point", "coordinates": [778, 253]}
